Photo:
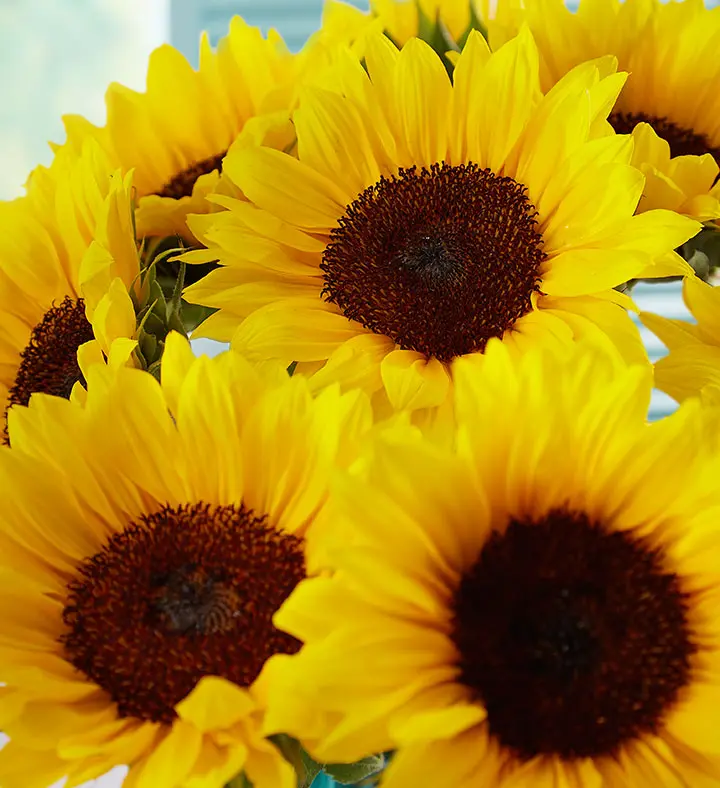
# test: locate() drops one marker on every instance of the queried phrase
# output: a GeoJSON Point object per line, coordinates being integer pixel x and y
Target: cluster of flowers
{"type": "Point", "coordinates": [413, 527]}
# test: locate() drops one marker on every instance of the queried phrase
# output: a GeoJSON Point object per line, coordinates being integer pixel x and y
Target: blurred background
{"type": "Point", "coordinates": [58, 56]}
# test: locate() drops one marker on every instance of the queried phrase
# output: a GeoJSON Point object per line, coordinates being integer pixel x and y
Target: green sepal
{"type": "Point", "coordinates": [437, 35]}
{"type": "Point", "coordinates": [241, 781]}
{"type": "Point", "coordinates": [305, 767]}
{"type": "Point", "coordinates": [312, 769]}
{"type": "Point", "coordinates": [154, 368]}
{"type": "Point", "coordinates": [157, 296]}
{"type": "Point", "coordinates": [351, 773]}
{"type": "Point", "coordinates": [702, 252]}
{"type": "Point", "coordinates": [194, 314]}
{"type": "Point", "coordinates": [175, 323]}
{"type": "Point", "coordinates": [148, 347]}
{"type": "Point", "coordinates": [700, 263]}
{"type": "Point", "coordinates": [154, 324]}
{"type": "Point", "coordinates": [475, 24]}
{"type": "Point", "coordinates": [291, 368]}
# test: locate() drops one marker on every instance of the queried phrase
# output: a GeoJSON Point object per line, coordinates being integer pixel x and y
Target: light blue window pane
{"type": "Point", "coordinates": [295, 20]}
{"type": "Point", "coordinates": [662, 299]}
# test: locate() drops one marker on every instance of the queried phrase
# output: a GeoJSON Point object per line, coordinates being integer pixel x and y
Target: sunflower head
{"type": "Point", "coordinates": [422, 218]}
{"type": "Point", "coordinates": [175, 134]}
{"type": "Point", "coordinates": [69, 276]}
{"type": "Point", "coordinates": [535, 604]}
{"type": "Point", "coordinates": [139, 590]}
{"type": "Point", "coordinates": [668, 48]}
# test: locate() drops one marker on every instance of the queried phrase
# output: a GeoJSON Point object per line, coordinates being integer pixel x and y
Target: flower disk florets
{"type": "Point", "coordinates": [575, 638]}
{"type": "Point", "coordinates": [682, 142]}
{"type": "Point", "coordinates": [183, 593]}
{"type": "Point", "coordinates": [181, 185]}
{"type": "Point", "coordinates": [49, 363]}
{"type": "Point", "coordinates": [440, 260]}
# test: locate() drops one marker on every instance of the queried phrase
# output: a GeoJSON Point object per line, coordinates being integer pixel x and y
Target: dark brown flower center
{"type": "Point", "coordinates": [439, 260]}
{"type": "Point", "coordinates": [682, 142]}
{"type": "Point", "coordinates": [181, 185]}
{"type": "Point", "coordinates": [49, 364]}
{"type": "Point", "coordinates": [575, 638]}
{"type": "Point", "coordinates": [181, 594]}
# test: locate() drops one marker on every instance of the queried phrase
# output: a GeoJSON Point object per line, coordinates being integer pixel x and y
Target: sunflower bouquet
{"type": "Point", "coordinates": [414, 527]}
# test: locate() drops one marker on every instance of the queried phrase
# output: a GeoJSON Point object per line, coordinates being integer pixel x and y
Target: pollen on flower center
{"type": "Point", "coordinates": [682, 142]}
{"type": "Point", "coordinates": [181, 184]}
{"type": "Point", "coordinates": [183, 593]}
{"type": "Point", "coordinates": [49, 363]}
{"type": "Point", "coordinates": [440, 260]}
{"type": "Point", "coordinates": [575, 638]}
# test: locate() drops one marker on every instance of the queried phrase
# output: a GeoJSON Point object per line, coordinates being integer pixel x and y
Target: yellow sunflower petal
{"type": "Point", "coordinates": [687, 370]}
{"type": "Point", "coordinates": [293, 330]}
{"type": "Point", "coordinates": [214, 703]}
{"type": "Point", "coordinates": [423, 97]}
{"type": "Point", "coordinates": [413, 381]}
{"type": "Point", "coordinates": [292, 187]}
{"type": "Point", "coordinates": [173, 759]}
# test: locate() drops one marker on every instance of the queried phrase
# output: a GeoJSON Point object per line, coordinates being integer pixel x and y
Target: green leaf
{"type": "Point", "coordinates": [350, 773]}
{"type": "Point", "coordinates": [194, 314]}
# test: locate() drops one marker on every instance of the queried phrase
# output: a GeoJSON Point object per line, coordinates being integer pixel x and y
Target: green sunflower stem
{"type": "Point", "coordinates": [173, 306]}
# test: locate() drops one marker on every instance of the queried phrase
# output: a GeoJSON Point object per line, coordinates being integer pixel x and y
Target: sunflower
{"type": "Point", "coordinates": [669, 48]}
{"type": "Point", "coordinates": [148, 537]}
{"type": "Point", "coordinates": [420, 219]}
{"type": "Point", "coordinates": [404, 19]}
{"type": "Point", "coordinates": [176, 134]}
{"type": "Point", "coordinates": [69, 271]}
{"type": "Point", "coordinates": [537, 607]}
{"type": "Point", "coordinates": [694, 359]}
